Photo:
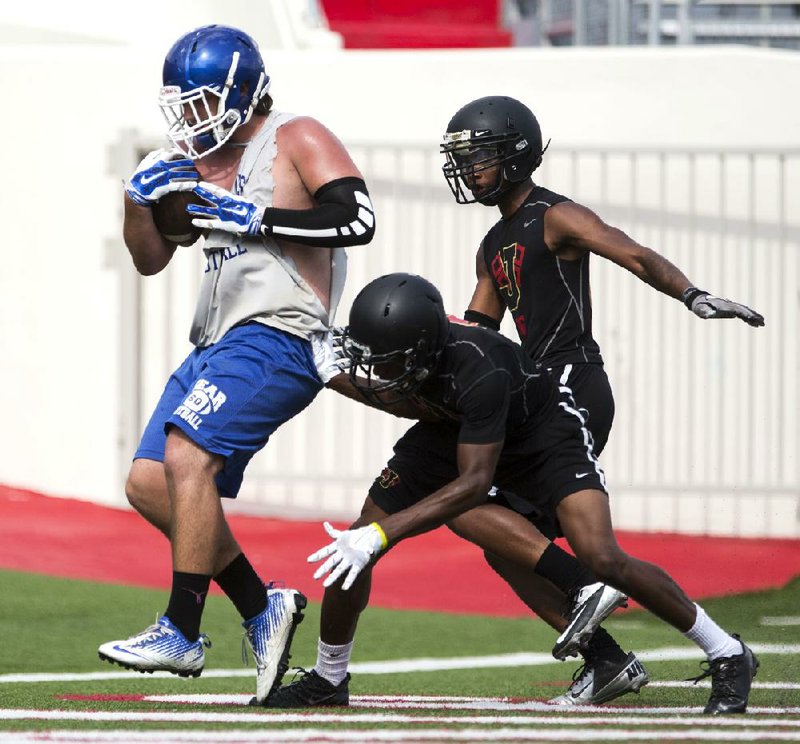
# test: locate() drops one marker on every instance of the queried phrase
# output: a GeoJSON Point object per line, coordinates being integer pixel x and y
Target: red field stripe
{"type": "Point", "coordinates": [437, 571]}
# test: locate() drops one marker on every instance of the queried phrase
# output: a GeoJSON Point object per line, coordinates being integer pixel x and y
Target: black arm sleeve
{"type": "Point", "coordinates": [344, 216]}
{"type": "Point", "coordinates": [487, 321]}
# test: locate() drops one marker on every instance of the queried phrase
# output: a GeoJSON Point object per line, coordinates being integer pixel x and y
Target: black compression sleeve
{"type": "Point", "coordinates": [344, 216]}
{"type": "Point", "coordinates": [487, 321]}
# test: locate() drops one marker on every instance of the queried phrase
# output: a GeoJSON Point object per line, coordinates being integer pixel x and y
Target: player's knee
{"type": "Point", "coordinates": [135, 491]}
{"type": "Point", "coordinates": [145, 488]}
{"type": "Point", "coordinates": [184, 460]}
{"type": "Point", "coordinates": [607, 564]}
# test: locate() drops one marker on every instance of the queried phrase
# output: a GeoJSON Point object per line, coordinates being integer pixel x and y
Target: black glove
{"type": "Point", "coordinates": [705, 305]}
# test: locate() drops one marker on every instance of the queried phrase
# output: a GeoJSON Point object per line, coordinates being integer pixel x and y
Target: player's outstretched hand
{"type": "Point", "coordinates": [225, 211]}
{"type": "Point", "coordinates": [705, 305]}
{"type": "Point", "coordinates": [161, 172]}
{"type": "Point", "coordinates": [349, 552]}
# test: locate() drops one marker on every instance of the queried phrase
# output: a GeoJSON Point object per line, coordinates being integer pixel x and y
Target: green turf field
{"type": "Point", "coordinates": [53, 627]}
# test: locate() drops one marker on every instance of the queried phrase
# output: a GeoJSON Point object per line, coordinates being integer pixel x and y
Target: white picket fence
{"type": "Point", "coordinates": [706, 438]}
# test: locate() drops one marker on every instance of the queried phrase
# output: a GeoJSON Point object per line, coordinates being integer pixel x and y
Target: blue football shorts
{"type": "Point", "coordinates": [230, 397]}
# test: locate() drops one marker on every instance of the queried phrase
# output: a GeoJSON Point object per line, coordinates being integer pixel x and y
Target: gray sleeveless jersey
{"type": "Point", "coordinates": [249, 279]}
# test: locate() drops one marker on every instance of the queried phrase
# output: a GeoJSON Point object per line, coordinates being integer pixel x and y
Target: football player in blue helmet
{"type": "Point", "coordinates": [214, 79]}
{"type": "Point", "coordinates": [281, 200]}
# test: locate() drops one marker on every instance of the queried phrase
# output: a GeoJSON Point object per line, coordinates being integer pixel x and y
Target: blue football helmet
{"type": "Point", "coordinates": [213, 79]}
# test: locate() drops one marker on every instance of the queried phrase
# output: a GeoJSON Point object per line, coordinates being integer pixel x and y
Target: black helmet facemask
{"type": "Point", "coordinates": [397, 330]}
{"type": "Point", "coordinates": [493, 132]}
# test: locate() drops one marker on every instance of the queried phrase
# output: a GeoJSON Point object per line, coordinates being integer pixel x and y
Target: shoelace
{"type": "Point", "coordinates": [578, 675]}
{"type": "Point", "coordinates": [723, 676]}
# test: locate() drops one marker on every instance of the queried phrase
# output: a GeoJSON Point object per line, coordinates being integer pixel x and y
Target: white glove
{"type": "Point", "coordinates": [329, 357]}
{"type": "Point", "coordinates": [161, 172]}
{"type": "Point", "coordinates": [226, 211]}
{"type": "Point", "coordinates": [350, 551]}
{"type": "Point", "coordinates": [705, 306]}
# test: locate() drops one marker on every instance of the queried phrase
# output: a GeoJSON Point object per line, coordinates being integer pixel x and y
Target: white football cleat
{"type": "Point", "coordinates": [158, 648]}
{"type": "Point", "coordinates": [269, 636]}
{"type": "Point", "coordinates": [589, 606]}
{"type": "Point", "coordinates": [601, 681]}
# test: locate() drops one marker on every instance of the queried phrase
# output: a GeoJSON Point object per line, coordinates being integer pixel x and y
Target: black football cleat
{"type": "Point", "coordinates": [731, 679]}
{"type": "Point", "coordinates": [310, 691]}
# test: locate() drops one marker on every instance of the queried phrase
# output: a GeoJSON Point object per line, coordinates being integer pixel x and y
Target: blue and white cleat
{"type": "Point", "coordinates": [269, 636]}
{"type": "Point", "coordinates": [159, 648]}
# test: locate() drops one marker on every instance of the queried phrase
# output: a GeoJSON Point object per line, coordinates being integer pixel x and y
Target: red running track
{"type": "Point", "coordinates": [437, 571]}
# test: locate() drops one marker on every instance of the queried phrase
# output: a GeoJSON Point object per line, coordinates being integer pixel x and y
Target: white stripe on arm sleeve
{"type": "Point", "coordinates": [344, 217]}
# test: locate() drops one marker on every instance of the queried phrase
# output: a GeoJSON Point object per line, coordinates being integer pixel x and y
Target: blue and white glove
{"type": "Point", "coordinates": [225, 211]}
{"type": "Point", "coordinates": [329, 357]}
{"type": "Point", "coordinates": [350, 551]}
{"type": "Point", "coordinates": [161, 172]}
{"type": "Point", "coordinates": [705, 306]}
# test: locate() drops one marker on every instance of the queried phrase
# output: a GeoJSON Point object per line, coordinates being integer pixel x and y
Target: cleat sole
{"type": "Point", "coordinates": [131, 667]}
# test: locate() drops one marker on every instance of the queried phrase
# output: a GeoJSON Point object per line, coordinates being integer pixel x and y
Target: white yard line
{"type": "Point", "coordinates": [323, 735]}
{"type": "Point", "coordinates": [669, 653]}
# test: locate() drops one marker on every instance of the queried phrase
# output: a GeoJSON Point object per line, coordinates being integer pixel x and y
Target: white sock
{"type": "Point", "coordinates": [332, 661]}
{"type": "Point", "coordinates": [711, 638]}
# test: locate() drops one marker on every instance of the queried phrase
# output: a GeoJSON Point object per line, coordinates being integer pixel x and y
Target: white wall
{"type": "Point", "coordinates": [67, 124]}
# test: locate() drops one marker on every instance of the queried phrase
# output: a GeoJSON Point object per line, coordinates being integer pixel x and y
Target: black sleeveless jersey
{"type": "Point", "coordinates": [549, 297]}
{"type": "Point", "coordinates": [487, 386]}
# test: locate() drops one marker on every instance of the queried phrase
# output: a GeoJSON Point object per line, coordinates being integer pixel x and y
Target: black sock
{"type": "Point", "coordinates": [603, 646]}
{"type": "Point", "coordinates": [243, 587]}
{"type": "Point", "coordinates": [186, 602]}
{"type": "Point", "coordinates": [562, 569]}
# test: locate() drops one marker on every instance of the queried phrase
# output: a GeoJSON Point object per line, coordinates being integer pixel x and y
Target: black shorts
{"type": "Point", "coordinates": [532, 477]}
{"type": "Point", "coordinates": [592, 393]}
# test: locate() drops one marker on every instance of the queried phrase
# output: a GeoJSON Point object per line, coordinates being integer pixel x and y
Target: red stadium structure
{"type": "Point", "coordinates": [416, 24]}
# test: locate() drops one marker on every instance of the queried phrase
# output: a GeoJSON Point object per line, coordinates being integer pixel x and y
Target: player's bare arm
{"type": "Point", "coordinates": [476, 466]}
{"type": "Point", "coordinates": [407, 408]}
{"type": "Point", "coordinates": [485, 299]}
{"type": "Point", "coordinates": [150, 252]}
{"type": "Point", "coordinates": [572, 229]}
{"type": "Point", "coordinates": [320, 198]}
{"type": "Point", "coordinates": [159, 173]}
{"type": "Point", "coordinates": [354, 549]}
{"type": "Point", "coordinates": [316, 154]}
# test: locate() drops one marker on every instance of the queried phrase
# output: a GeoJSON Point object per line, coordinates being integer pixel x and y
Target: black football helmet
{"type": "Point", "coordinates": [397, 330]}
{"type": "Point", "coordinates": [486, 133]}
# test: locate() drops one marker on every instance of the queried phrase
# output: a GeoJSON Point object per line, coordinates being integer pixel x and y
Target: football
{"type": "Point", "coordinates": [172, 219]}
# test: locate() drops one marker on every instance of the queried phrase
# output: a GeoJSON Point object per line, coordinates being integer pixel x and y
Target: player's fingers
{"type": "Point", "coordinates": [183, 163]}
{"type": "Point", "coordinates": [335, 559]}
{"type": "Point", "coordinates": [211, 190]}
{"type": "Point", "coordinates": [206, 224]}
{"type": "Point", "coordinates": [753, 319]}
{"type": "Point", "coordinates": [335, 574]}
{"type": "Point", "coordinates": [351, 577]}
{"type": "Point", "coordinates": [322, 553]}
{"type": "Point", "coordinates": [331, 530]}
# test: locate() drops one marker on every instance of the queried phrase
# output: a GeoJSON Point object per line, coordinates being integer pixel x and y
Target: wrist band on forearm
{"type": "Point", "coordinates": [691, 294]}
{"type": "Point", "coordinates": [384, 541]}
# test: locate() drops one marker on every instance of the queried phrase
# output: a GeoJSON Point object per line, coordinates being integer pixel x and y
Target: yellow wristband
{"type": "Point", "coordinates": [384, 541]}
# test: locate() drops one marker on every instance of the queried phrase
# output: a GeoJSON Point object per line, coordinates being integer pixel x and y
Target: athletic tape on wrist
{"type": "Point", "coordinates": [379, 529]}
